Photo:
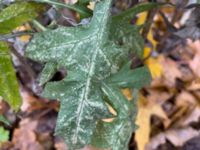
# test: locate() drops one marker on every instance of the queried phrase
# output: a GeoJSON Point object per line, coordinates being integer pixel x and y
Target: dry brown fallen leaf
{"type": "Point", "coordinates": [31, 103]}
{"type": "Point", "coordinates": [182, 132]}
{"type": "Point", "coordinates": [158, 95]}
{"type": "Point", "coordinates": [185, 103]}
{"type": "Point", "coordinates": [195, 63]}
{"type": "Point", "coordinates": [24, 138]}
{"type": "Point", "coordinates": [185, 98]}
{"type": "Point", "coordinates": [193, 117]}
{"type": "Point", "coordinates": [176, 136]}
{"type": "Point", "coordinates": [59, 144]}
{"type": "Point", "coordinates": [171, 72]}
{"type": "Point", "coordinates": [194, 85]}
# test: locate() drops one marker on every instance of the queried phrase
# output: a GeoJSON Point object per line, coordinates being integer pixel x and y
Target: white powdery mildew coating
{"type": "Point", "coordinates": [80, 49]}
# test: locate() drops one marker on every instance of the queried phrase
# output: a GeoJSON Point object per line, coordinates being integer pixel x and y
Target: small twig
{"type": "Point", "coordinates": [170, 28]}
{"type": "Point", "coordinates": [69, 20]}
{"type": "Point", "coordinates": [42, 114]}
{"type": "Point", "coordinates": [179, 10]}
{"type": "Point", "coordinates": [150, 18]}
{"type": "Point", "coordinates": [13, 35]}
{"type": "Point", "coordinates": [169, 25]}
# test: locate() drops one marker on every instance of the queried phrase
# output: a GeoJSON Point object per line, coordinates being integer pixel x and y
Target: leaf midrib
{"type": "Point", "coordinates": [88, 82]}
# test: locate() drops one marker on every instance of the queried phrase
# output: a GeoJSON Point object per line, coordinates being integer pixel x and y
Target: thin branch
{"type": "Point", "coordinates": [13, 35]}
{"type": "Point", "coordinates": [150, 18]}
{"type": "Point", "coordinates": [38, 25]}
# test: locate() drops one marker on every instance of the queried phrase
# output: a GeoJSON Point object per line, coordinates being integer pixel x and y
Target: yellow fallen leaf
{"type": "Point", "coordinates": [141, 18]}
{"type": "Point", "coordinates": [154, 64]}
{"type": "Point", "coordinates": [147, 52]}
{"type": "Point", "coordinates": [154, 67]}
{"type": "Point", "coordinates": [146, 110]}
{"type": "Point", "coordinates": [127, 93]}
{"type": "Point", "coordinates": [24, 38]}
{"type": "Point", "coordinates": [151, 39]}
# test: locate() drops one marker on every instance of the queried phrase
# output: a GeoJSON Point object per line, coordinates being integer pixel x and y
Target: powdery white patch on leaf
{"type": "Point", "coordinates": [90, 58]}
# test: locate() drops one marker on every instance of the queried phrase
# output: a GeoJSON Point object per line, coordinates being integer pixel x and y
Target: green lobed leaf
{"type": "Point", "coordinates": [117, 100]}
{"type": "Point", "coordinates": [86, 51]}
{"type": "Point", "coordinates": [115, 134]}
{"type": "Point", "coordinates": [17, 14]}
{"type": "Point", "coordinates": [4, 135]}
{"type": "Point", "coordinates": [9, 88]}
{"type": "Point", "coordinates": [93, 64]}
{"type": "Point", "coordinates": [129, 36]}
{"type": "Point", "coordinates": [127, 78]}
{"type": "Point", "coordinates": [125, 33]}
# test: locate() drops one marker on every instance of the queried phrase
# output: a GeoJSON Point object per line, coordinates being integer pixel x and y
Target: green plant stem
{"type": "Point", "coordinates": [149, 22]}
{"type": "Point", "coordinates": [131, 12]}
{"type": "Point", "coordinates": [81, 10]}
{"type": "Point", "coordinates": [38, 25]}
